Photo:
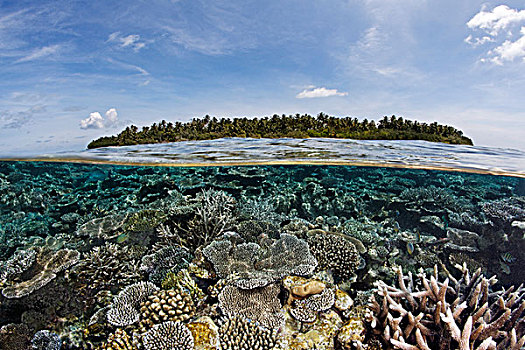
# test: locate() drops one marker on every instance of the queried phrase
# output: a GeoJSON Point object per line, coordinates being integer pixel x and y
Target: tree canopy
{"type": "Point", "coordinates": [292, 126]}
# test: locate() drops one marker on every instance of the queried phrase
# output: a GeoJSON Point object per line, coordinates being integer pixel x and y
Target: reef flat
{"type": "Point", "coordinates": [99, 256]}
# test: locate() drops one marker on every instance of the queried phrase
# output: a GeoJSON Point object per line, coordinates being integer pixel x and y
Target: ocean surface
{"type": "Point", "coordinates": [269, 244]}
{"type": "Point", "coordinates": [313, 150]}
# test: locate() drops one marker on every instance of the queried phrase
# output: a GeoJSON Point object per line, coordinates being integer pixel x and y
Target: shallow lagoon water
{"type": "Point", "coordinates": [74, 238]}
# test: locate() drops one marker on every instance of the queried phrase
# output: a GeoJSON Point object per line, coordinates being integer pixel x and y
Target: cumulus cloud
{"type": "Point", "coordinates": [510, 50]}
{"type": "Point", "coordinates": [320, 92]}
{"type": "Point", "coordinates": [500, 27]}
{"type": "Point", "coordinates": [131, 41]}
{"type": "Point", "coordinates": [500, 18]}
{"type": "Point", "coordinates": [96, 121]}
{"type": "Point", "coordinates": [40, 53]}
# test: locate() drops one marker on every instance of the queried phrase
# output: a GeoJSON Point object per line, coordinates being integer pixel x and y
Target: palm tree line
{"type": "Point", "coordinates": [292, 126]}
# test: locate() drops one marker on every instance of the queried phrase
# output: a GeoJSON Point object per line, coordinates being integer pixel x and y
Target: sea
{"type": "Point", "coordinates": [263, 244]}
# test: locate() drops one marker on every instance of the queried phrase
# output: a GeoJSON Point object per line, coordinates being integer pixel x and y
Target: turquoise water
{"type": "Point", "coordinates": [74, 236]}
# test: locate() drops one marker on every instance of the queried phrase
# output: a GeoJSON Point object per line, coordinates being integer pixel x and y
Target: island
{"type": "Point", "coordinates": [291, 126]}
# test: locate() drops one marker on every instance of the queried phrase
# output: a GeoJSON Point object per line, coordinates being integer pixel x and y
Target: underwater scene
{"type": "Point", "coordinates": [128, 257]}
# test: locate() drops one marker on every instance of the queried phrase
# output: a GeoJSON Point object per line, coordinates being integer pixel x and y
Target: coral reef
{"type": "Point", "coordinates": [168, 336]}
{"type": "Point", "coordinates": [258, 304]}
{"type": "Point", "coordinates": [165, 305]}
{"type": "Point", "coordinates": [46, 340]}
{"type": "Point", "coordinates": [43, 270]}
{"type": "Point", "coordinates": [167, 259]}
{"type": "Point", "coordinates": [14, 337]}
{"type": "Point", "coordinates": [256, 266]}
{"type": "Point", "coordinates": [124, 310]}
{"type": "Point", "coordinates": [110, 266]}
{"type": "Point", "coordinates": [430, 314]}
{"type": "Point", "coordinates": [237, 333]}
{"type": "Point", "coordinates": [120, 340]}
{"type": "Point", "coordinates": [335, 253]}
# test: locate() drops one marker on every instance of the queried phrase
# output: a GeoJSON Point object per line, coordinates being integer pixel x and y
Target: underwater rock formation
{"type": "Point", "coordinates": [430, 314]}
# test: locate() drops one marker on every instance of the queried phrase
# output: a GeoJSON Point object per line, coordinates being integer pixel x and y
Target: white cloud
{"type": "Point", "coordinates": [500, 18]}
{"type": "Point", "coordinates": [320, 92]}
{"type": "Point", "coordinates": [112, 115]}
{"type": "Point", "coordinates": [510, 50]}
{"type": "Point", "coordinates": [96, 121]}
{"type": "Point", "coordinates": [131, 41]}
{"type": "Point", "coordinates": [40, 53]}
{"type": "Point", "coordinates": [501, 25]}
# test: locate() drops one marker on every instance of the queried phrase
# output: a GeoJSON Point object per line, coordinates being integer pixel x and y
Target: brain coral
{"type": "Point", "coordinates": [42, 271]}
{"type": "Point", "coordinates": [335, 253]}
{"type": "Point", "coordinates": [258, 304]}
{"type": "Point", "coordinates": [168, 336]}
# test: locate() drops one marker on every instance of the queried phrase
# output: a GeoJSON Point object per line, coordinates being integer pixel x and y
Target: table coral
{"type": "Point", "coordinates": [42, 271]}
{"type": "Point", "coordinates": [258, 304]}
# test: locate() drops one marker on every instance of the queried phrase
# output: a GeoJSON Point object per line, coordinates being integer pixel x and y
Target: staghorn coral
{"type": "Point", "coordinates": [43, 270]}
{"type": "Point", "coordinates": [335, 253]}
{"type": "Point", "coordinates": [46, 340]}
{"type": "Point", "coordinates": [238, 333]}
{"type": "Point", "coordinates": [110, 266]}
{"type": "Point", "coordinates": [429, 314]}
{"type": "Point", "coordinates": [124, 309]}
{"type": "Point", "coordinates": [255, 266]}
{"type": "Point", "coordinates": [166, 305]}
{"type": "Point", "coordinates": [258, 304]}
{"type": "Point", "coordinates": [120, 340]}
{"type": "Point", "coordinates": [214, 216]}
{"type": "Point", "coordinates": [168, 336]}
{"type": "Point", "coordinates": [167, 259]}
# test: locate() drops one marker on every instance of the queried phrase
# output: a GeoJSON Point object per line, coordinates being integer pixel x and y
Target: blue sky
{"type": "Point", "coordinates": [71, 71]}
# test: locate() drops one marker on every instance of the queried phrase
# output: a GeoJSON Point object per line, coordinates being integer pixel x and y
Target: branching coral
{"type": "Point", "coordinates": [256, 266]}
{"type": "Point", "coordinates": [237, 333]}
{"type": "Point", "coordinates": [43, 270]}
{"type": "Point", "coordinates": [125, 307]}
{"type": "Point", "coordinates": [429, 314]}
{"type": "Point", "coordinates": [46, 340]}
{"type": "Point", "coordinates": [110, 266]}
{"type": "Point", "coordinates": [168, 259]}
{"type": "Point", "coordinates": [335, 253]}
{"type": "Point", "coordinates": [119, 340]}
{"type": "Point", "coordinates": [214, 216]}
{"type": "Point", "coordinates": [168, 336]}
{"type": "Point", "coordinates": [259, 304]}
